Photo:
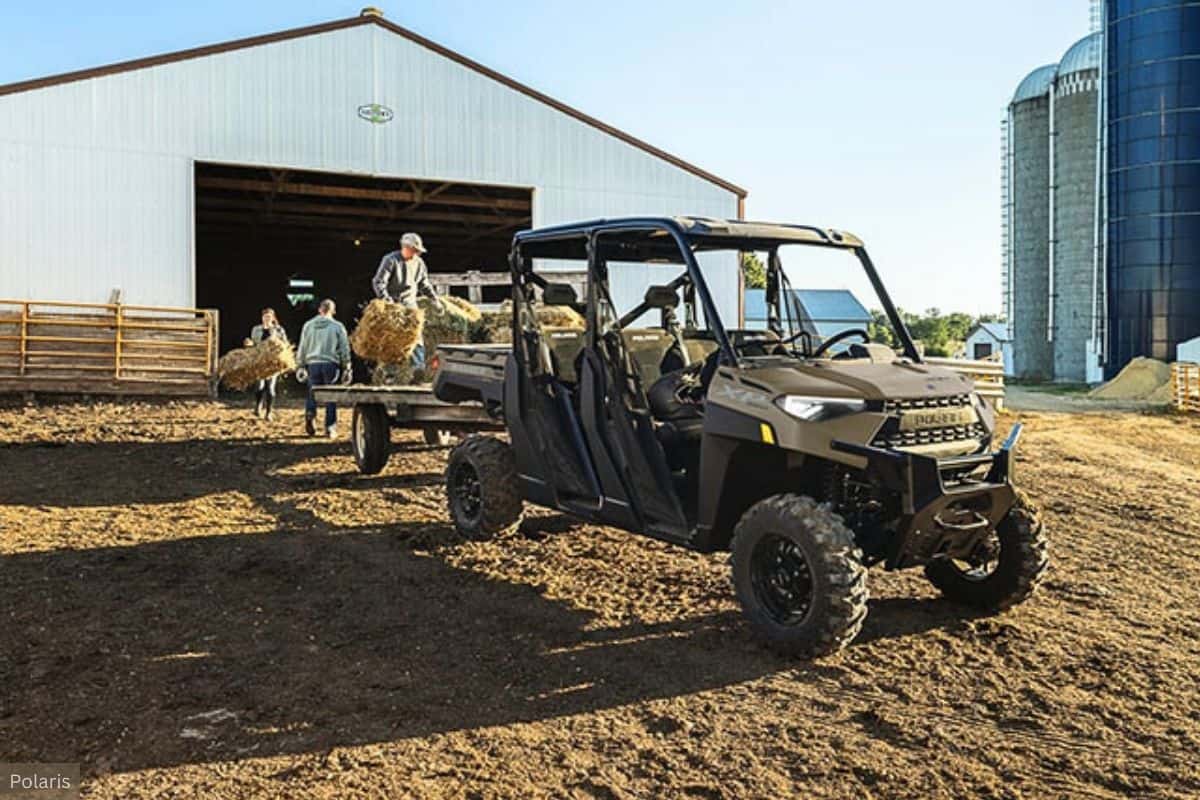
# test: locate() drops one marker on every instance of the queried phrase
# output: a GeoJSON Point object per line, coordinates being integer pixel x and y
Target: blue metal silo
{"type": "Point", "coordinates": [1152, 61]}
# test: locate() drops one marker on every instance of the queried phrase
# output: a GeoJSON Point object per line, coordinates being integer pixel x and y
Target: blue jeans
{"type": "Point", "coordinates": [418, 357]}
{"type": "Point", "coordinates": [321, 373]}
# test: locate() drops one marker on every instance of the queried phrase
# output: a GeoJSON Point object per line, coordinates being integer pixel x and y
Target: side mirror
{"type": "Point", "coordinates": [560, 294]}
{"type": "Point", "coordinates": [663, 297]}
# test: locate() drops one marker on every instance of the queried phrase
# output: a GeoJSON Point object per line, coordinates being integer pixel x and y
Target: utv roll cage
{"type": "Point", "coordinates": [677, 240]}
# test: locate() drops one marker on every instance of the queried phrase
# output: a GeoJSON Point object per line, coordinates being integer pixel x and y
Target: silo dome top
{"type": "Point", "coordinates": [1083, 55]}
{"type": "Point", "coordinates": [1036, 83]}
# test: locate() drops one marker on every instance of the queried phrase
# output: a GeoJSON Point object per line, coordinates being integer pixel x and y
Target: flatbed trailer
{"type": "Point", "coordinates": [379, 409]}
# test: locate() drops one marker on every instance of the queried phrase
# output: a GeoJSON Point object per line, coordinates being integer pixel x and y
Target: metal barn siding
{"type": "Point", "coordinates": [96, 174]}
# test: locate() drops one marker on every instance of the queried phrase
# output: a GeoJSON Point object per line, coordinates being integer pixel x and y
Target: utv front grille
{"type": "Point", "coordinates": [949, 401]}
{"type": "Point", "coordinates": [891, 436]}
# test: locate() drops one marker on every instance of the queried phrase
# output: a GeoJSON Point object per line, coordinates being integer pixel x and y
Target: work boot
{"type": "Point", "coordinates": [331, 431]}
{"type": "Point", "coordinates": [310, 424]}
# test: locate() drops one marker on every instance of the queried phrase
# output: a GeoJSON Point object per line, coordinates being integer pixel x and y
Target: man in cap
{"type": "Point", "coordinates": [401, 277]}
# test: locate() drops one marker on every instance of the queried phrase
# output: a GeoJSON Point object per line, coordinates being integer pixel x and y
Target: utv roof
{"type": "Point", "coordinates": [705, 233]}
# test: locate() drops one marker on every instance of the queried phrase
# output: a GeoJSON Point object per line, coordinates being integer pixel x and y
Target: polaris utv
{"type": "Point", "coordinates": [809, 459]}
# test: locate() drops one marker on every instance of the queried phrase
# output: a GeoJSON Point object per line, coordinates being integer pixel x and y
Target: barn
{"type": "Point", "coordinates": [275, 169]}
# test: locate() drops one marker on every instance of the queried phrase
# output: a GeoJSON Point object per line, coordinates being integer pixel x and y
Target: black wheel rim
{"type": "Point", "coordinates": [982, 563]}
{"type": "Point", "coordinates": [782, 579]}
{"type": "Point", "coordinates": [465, 492]}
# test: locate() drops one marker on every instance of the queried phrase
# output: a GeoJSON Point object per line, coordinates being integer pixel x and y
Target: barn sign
{"type": "Point", "coordinates": [375, 113]}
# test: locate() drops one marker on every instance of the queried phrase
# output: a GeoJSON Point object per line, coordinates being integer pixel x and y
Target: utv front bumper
{"type": "Point", "coordinates": [947, 506]}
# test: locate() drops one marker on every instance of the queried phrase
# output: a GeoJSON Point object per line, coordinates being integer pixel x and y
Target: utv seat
{"type": "Point", "coordinates": [565, 345]}
{"type": "Point", "coordinates": [654, 350]}
{"type": "Point", "coordinates": [679, 425]}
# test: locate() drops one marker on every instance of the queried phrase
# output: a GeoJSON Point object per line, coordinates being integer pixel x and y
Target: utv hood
{"type": "Point", "coordinates": [867, 380]}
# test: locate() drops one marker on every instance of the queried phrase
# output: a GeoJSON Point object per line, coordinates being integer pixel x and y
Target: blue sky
{"type": "Point", "coordinates": [878, 117]}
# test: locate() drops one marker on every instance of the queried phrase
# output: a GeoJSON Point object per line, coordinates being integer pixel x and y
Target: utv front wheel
{"type": "Point", "coordinates": [798, 575]}
{"type": "Point", "coordinates": [1011, 563]}
{"type": "Point", "coordinates": [482, 488]}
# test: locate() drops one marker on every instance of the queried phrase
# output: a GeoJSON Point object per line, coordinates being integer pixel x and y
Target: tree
{"type": "Point", "coordinates": [940, 334]}
{"type": "Point", "coordinates": [880, 329]}
{"type": "Point", "coordinates": [754, 270]}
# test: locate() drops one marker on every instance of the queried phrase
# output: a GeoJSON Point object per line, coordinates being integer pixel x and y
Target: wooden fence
{"type": "Point", "coordinates": [987, 374]}
{"type": "Point", "coordinates": [1185, 383]}
{"type": "Point", "coordinates": [107, 348]}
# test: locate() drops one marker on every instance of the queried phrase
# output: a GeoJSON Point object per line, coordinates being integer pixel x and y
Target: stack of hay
{"type": "Point", "coordinates": [452, 326]}
{"type": "Point", "coordinates": [436, 327]}
{"type": "Point", "coordinates": [387, 333]}
{"type": "Point", "coordinates": [240, 369]}
{"type": "Point", "coordinates": [496, 326]}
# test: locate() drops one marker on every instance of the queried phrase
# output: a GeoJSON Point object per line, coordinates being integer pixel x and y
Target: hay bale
{"type": "Point", "coordinates": [1140, 379]}
{"type": "Point", "coordinates": [239, 369]}
{"type": "Point", "coordinates": [392, 374]}
{"type": "Point", "coordinates": [495, 327]}
{"type": "Point", "coordinates": [387, 333]}
{"type": "Point", "coordinates": [466, 307]}
{"type": "Point", "coordinates": [452, 326]}
{"type": "Point", "coordinates": [560, 317]}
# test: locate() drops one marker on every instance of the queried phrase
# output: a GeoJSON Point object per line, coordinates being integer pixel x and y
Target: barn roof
{"type": "Point", "coordinates": [997, 330]}
{"type": "Point", "coordinates": [820, 305]}
{"type": "Point", "coordinates": [369, 19]}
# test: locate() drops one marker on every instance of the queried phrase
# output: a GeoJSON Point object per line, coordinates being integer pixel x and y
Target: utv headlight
{"type": "Point", "coordinates": [812, 409]}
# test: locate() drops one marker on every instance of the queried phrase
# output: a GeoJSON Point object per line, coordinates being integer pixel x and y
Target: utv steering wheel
{"type": "Point", "coordinates": [837, 337]}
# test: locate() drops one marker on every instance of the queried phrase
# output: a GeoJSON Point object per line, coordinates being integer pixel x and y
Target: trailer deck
{"type": "Point", "coordinates": [378, 409]}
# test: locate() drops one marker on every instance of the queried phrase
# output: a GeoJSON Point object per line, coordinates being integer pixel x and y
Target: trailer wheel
{"type": "Point", "coordinates": [798, 575]}
{"type": "Point", "coordinates": [1008, 574]}
{"type": "Point", "coordinates": [371, 437]}
{"type": "Point", "coordinates": [437, 438]}
{"type": "Point", "coordinates": [482, 488]}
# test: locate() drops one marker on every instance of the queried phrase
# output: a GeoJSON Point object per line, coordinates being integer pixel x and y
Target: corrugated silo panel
{"type": "Point", "coordinates": [1032, 353]}
{"type": "Point", "coordinates": [1153, 139]}
{"type": "Point", "coordinates": [1074, 222]}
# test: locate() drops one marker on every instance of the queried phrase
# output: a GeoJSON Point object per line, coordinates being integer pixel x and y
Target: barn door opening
{"type": "Point", "coordinates": [286, 238]}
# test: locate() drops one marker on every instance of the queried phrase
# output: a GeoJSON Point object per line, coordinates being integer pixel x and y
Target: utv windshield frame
{"type": "Point", "coordinates": [677, 240]}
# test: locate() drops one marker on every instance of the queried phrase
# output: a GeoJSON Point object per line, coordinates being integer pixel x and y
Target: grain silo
{"type": "Point", "coordinates": [1029, 246]}
{"type": "Point", "coordinates": [1074, 107]}
{"type": "Point", "coordinates": [1152, 61]}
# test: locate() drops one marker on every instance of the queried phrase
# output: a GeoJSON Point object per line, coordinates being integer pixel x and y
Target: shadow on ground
{"type": "Point", "coordinates": [312, 636]}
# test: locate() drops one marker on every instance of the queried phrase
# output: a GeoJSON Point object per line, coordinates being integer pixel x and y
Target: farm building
{"type": "Point", "coordinates": [990, 340]}
{"type": "Point", "coordinates": [821, 312]}
{"type": "Point", "coordinates": [284, 166]}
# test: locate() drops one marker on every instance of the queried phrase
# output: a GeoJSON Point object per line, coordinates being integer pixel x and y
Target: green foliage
{"type": "Point", "coordinates": [754, 270]}
{"type": "Point", "coordinates": [881, 330]}
{"type": "Point", "coordinates": [941, 334]}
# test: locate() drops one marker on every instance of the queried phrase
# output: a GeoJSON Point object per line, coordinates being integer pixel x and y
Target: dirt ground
{"type": "Point", "coordinates": [197, 604]}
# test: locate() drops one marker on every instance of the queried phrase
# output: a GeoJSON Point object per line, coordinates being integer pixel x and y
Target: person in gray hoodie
{"type": "Point", "coordinates": [323, 357]}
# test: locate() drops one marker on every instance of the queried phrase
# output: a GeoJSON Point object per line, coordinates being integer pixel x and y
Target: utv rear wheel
{"type": "Point", "coordinates": [798, 575]}
{"type": "Point", "coordinates": [482, 488]}
{"type": "Point", "coordinates": [1005, 576]}
{"type": "Point", "coordinates": [371, 438]}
